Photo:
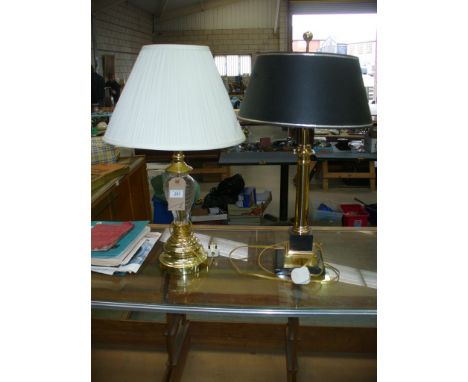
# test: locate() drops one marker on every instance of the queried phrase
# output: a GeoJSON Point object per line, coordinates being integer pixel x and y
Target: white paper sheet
{"type": "Point", "coordinates": [355, 276]}
{"type": "Point", "coordinates": [225, 246]}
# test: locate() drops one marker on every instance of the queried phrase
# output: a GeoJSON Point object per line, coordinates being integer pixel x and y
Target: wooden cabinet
{"type": "Point", "coordinates": [126, 197]}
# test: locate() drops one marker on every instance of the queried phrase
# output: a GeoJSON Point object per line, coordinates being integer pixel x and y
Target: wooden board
{"type": "Point", "coordinates": [103, 173]}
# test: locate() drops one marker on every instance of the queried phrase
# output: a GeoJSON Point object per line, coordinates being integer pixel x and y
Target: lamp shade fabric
{"type": "Point", "coordinates": [306, 90]}
{"type": "Point", "coordinates": [174, 100]}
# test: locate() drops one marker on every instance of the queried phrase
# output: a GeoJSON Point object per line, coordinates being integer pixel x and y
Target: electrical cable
{"type": "Point", "coordinates": [275, 278]}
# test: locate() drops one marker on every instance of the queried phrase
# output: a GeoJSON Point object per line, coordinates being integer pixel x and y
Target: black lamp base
{"type": "Point", "coordinates": [301, 251]}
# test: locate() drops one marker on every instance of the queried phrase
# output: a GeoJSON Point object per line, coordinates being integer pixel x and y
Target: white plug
{"type": "Point", "coordinates": [300, 275]}
{"type": "Point", "coordinates": [213, 250]}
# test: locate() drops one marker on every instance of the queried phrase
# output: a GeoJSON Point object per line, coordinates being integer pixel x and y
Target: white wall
{"type": "Point", "coordinates": [240, 15]}
{"type": "Point", "coordinates": [245, 27]}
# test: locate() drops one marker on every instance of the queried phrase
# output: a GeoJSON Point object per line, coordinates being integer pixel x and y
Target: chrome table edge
{"type": "Point", "coordinates": [364, 313]}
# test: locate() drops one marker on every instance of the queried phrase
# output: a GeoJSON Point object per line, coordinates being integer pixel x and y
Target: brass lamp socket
{"type": "Point", "coordinates": [178, 165]}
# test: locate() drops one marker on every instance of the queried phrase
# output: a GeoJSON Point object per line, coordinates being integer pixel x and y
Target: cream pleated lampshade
{"type": "Point", "coordinates": [174, 100]}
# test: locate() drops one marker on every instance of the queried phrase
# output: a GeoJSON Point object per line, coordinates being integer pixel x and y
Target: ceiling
{"type": "Point", "coordinates": [165, 9]}
{"type": "Point", "coordinates": [158, 7]}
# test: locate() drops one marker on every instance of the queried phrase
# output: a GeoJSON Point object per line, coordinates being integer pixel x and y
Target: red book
{"type": "Point", "coordinates": [105, 236]}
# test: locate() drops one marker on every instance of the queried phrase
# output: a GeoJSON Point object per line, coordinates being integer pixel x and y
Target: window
{"type": "Point", "coordinates": [345, 33]}
{"type": "Point", "coordinates": [233, 65]}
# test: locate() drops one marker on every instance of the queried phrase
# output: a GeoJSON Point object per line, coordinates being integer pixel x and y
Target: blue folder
{"type": "Point", "coordinates": [124, 242]}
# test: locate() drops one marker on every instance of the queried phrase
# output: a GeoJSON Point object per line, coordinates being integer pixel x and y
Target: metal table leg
{"type": "Point", "coordinates": [177, 344]}
{"type": "Point", "coordinates": [372, 181]}
{"type": "Point", "coordinates": [292, 338]}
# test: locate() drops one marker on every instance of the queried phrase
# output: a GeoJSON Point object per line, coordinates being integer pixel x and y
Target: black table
{"type": "Point", "coordinates": [336, 154]}
{"type": "Point", "coordinates": [285, 159]}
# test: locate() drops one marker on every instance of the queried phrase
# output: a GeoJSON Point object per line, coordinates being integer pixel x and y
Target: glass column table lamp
{"type": "Point", "coordinates": [305, 91]}
{"type": "Point", "coordinates": [175, 100]}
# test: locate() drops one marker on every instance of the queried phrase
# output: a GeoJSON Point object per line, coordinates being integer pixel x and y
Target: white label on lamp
{"type": "Point", "coordinates": [176, 193]}
{"type": "Point", "coordinates": [176, 200]}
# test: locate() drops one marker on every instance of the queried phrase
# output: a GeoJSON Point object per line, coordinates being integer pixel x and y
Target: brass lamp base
{"type": "Point", "coordinates": [300, 251]}
{"type": "Point", "coordinates": [182, 252]}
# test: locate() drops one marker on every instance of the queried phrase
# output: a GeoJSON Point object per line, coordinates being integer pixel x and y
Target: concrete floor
{"type": "Point", "coordinates": [205, 365]}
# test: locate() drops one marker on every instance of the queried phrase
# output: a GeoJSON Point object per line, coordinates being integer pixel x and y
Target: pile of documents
{"type": "Point", "coordinates": [120, 247]}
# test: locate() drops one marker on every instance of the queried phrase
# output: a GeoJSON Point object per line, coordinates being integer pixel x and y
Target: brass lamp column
{"type": "Point", "coordinates": [304, 151]}
{"type": "Point", "coordinates": [182, 252]}
{"type": "Point", "coordinates": [300, 249]}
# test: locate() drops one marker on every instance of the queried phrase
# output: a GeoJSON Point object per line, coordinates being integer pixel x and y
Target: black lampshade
{"type": "Point", "coordinates": [311, 90]}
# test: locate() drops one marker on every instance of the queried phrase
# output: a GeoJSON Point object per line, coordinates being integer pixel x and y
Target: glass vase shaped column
{"type": "Point", "coordinates": [182, 252]}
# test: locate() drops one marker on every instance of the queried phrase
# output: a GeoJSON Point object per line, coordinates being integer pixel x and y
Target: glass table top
{"type": "Point", "coordinates": [221, 289]}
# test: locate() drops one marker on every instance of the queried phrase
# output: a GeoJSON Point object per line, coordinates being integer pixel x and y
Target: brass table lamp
{"type": "Point", "coordinates": [305, 91]}
{"type": "Point", "coordinates": [174, 100]}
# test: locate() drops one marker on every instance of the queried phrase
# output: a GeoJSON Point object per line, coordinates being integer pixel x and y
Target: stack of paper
{"type": "Point", "coordinates": [128, 253]}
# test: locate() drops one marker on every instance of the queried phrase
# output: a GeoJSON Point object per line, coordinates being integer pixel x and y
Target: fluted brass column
{"type": "Point", "coordinates": [300, 249]}
{"type": "Point", "coordinates": [301, 217]}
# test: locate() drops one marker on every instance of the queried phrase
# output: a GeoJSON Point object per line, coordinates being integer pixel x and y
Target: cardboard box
{"type": "Point", "coordinates": [252, 215]}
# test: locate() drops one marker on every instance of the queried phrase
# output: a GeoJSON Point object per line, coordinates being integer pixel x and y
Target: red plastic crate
{"type": "Point", "coordinates": [354, 215]}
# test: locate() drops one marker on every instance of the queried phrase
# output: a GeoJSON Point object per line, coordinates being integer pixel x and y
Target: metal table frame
{"type": "Point", "coordinates": [178, 330]}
